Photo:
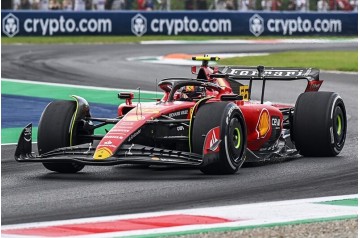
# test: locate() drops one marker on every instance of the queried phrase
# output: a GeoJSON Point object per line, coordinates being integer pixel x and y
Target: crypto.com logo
{"type": "Point", "coordinates": [256, 25]}
{"type": "Point", "coordinates": [10, 25]}
{"type": "Point", "coordinates": [139, 25]}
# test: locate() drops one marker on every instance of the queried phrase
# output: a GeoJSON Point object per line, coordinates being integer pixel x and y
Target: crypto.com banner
{"type": "Point", "coordinates": [52, 23]}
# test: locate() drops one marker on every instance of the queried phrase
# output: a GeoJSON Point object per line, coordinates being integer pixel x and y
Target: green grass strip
{"type": "Point", "coordinates": [64, 92]}
{"type": "Point", "coordinates": [345, 202]}
{"type": "Point", "coordinates": [327, 60]}
{"type": "Point", "coordinates": [135, 39]}
{"type": "Point", "coordinates": [60, 92]}
{"type": "Point", "coordinates": [229, 229]}
{"type": "Point", "coordinates": [11, 135]}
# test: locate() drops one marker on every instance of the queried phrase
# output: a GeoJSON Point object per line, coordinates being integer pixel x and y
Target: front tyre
{"type": "Point", "coordinates": [230, 156]}
{"type": "Point", "coordinates": [54, 132]}
{"type": "Point", "coordinates": [319, 124]}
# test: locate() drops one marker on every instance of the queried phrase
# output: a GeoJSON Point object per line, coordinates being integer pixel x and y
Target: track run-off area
{"type": "Point", "coordinates": [34, 75]}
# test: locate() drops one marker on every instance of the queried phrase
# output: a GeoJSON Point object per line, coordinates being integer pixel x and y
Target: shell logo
{"type": "Point", "coordinates": [263, 125]}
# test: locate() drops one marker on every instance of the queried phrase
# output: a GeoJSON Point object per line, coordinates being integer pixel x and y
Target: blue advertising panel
{"type": "Point", "coordinates": [55, 23]}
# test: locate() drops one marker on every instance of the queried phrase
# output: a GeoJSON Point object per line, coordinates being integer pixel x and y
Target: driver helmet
{"type": "Point", "coordinates": [192, 91]}
{"type": "Point", "coordinates": [189, 89]}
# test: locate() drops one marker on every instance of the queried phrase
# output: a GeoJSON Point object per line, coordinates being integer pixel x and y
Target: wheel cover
{"type": "Point", "coordinates": [237, 138]}
{"type": "Point", "coordinates": [234, 145]}
{"type": "Point", "coordinates": [339, 125]}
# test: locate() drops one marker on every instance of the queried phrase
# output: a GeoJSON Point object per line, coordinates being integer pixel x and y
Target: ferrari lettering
{"type": "Point", "coordinates": [245, 73]}
{"type": "Point", "coordinates": [287, 73]}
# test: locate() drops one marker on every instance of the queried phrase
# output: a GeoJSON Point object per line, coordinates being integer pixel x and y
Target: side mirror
{"type": "Point", "coordinates": [127, 96]}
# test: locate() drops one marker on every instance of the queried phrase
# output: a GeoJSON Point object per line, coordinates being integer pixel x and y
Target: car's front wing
{"type": "Point", "coordinates": [83, 154]}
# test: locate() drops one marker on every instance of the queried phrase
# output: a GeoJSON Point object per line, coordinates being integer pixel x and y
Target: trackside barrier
{"type": "Point", "coordinates": [55, 23]}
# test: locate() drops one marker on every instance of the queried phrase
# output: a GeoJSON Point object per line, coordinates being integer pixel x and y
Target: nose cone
{"type": "Point", "coordinates": [102, 153]}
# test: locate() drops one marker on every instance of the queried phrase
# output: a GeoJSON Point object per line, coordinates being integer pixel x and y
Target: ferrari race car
{"type": "Point", "coordinates": [209, 122]}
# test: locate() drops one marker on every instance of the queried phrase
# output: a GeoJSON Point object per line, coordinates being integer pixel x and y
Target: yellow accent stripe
{"type": "Point", "coordinates": [191, 116]}
{"type": "Point", "coordinates": [73, 120]}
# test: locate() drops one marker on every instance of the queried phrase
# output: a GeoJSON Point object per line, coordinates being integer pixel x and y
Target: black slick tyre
{"type": "Point", "coordinates": [319, 124]}
{"type": "Point", "coordinates": [54, 132]}
{"type": "Point", "coordinates": [232, 145]}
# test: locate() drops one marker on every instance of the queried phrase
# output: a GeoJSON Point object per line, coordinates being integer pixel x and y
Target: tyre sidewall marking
{"type": "Point", "coordinates": [229, 114]}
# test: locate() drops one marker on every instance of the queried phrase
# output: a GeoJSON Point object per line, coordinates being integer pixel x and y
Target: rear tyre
{"type": "Point", "coordinates": [232, 147]}
{"type": "Point", "coordinates": [319, 124]}
{"type": "Point", "coordinates": [54, 132]}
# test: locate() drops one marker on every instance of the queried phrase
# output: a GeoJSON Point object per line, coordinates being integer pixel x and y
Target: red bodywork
{"type": "Point", "coordinates": [181, 128]}
{"type": "Point", "coordinates": [135, 117]}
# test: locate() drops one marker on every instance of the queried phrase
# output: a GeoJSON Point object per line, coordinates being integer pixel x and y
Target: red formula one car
{"type": "Point", "coordinates": [208, 122]}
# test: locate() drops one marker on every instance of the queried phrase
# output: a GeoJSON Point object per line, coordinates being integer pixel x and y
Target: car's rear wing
{"type": "Point", "coordinates": [234, 74]}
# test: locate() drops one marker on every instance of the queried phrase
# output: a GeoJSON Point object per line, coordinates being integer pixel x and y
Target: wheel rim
{"type": "Point", "coordinates": [236, 138]}
{"type": "Point", "coordinates": [235, 142]}
{"type": "Point", "coordinates": [339, 126]}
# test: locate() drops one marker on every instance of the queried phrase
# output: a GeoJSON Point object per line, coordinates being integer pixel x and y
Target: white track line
{"type": "Point", "coordinates": [73, 86]}
{"type": "Point", "coordinates": [220, 211]}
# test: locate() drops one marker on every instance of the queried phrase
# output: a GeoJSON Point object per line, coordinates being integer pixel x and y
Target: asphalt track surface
{"type": "Point", "coordinates": [30, 193]}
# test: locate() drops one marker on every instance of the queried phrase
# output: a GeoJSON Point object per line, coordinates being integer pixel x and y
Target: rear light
{"type": "Point", "coordinates": [263, 125]}
{"type": "Point", "coordinates": [313, 86]}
